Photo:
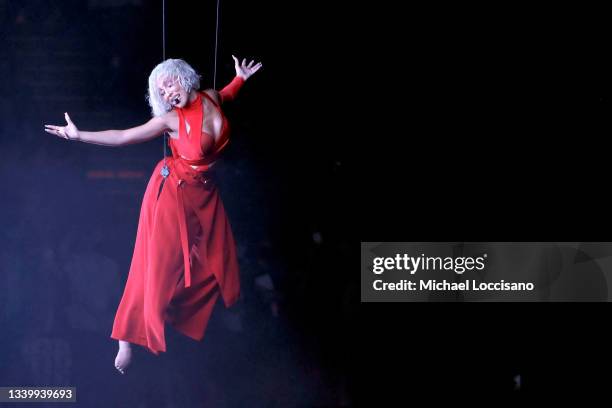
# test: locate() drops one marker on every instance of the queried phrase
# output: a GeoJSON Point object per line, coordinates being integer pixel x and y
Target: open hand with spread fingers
{"type": "Point", "coordinates": [245, 70]}
{"type": "Point", "coordinates": [69, 131]}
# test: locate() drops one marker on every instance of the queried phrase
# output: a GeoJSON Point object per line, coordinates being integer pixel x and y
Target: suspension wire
{"type": "Point", "coordinates": [164, 168]}
{"type": "Point", "coordinates": [216, 44]}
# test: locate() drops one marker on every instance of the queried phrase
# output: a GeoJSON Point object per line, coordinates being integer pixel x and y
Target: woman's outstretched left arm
{"type": "Point", "coordinates": [243, 72]}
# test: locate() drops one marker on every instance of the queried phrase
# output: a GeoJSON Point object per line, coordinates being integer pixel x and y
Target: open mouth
{"type": "Point", "coordinates": [176, 100]}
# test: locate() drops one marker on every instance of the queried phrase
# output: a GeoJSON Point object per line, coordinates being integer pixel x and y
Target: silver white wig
{"type": "Point", "coordinates": [173, 68]}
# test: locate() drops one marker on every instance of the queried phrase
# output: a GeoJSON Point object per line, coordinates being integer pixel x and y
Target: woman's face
{"type": "Point", "coordinates": [172, 92]}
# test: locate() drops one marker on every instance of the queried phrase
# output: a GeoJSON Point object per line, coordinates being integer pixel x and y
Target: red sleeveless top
{"type": "Point", "coordinates": [194, 146]}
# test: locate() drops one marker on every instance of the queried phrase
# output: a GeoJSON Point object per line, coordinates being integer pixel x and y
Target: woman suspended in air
{"type": "Point", "coordinates": [184, 255]}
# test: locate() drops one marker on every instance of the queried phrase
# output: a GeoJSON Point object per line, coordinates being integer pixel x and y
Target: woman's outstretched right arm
{"type": "Point", "coordinates": [153, 128]}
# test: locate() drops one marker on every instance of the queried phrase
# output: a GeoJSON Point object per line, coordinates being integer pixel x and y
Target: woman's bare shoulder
{"type": "Point", "coordinates": [170, 115]}
{"type": "Point", "coordinates": [170, 119]}
{"type": "Point", "coordinates": [213, 94]}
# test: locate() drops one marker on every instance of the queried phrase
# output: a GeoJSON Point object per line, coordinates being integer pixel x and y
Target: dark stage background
{"type": "Point", "coordinates": [471, 123]}
{"type": "Point", "coordinates": [70, 210]}
{"type": "Point", "coordinates": [489, 123]}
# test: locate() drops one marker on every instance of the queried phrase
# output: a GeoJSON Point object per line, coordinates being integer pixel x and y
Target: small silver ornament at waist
{"type": "Point", "coordinates": [165, 171]}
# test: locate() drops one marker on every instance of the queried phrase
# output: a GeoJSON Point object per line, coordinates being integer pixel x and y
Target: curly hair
{"type": "Point", "coordinates": [173, 68]}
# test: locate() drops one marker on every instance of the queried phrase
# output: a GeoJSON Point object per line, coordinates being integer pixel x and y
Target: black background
{"type": "Point", "coordinates": [458, 123]}
{"type": "Point", "coordinates": [490, 125]}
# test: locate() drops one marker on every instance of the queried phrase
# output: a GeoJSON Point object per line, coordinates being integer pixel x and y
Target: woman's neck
{"type": "Point", "coordinates": [192, 96]}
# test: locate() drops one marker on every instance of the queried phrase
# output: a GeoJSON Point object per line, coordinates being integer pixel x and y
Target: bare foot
{"type": "Point", "coordinates": [124, 356]}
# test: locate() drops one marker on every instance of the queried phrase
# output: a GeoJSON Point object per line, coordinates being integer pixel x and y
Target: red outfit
{"type": "Point", "coordinates": [185, 255]}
